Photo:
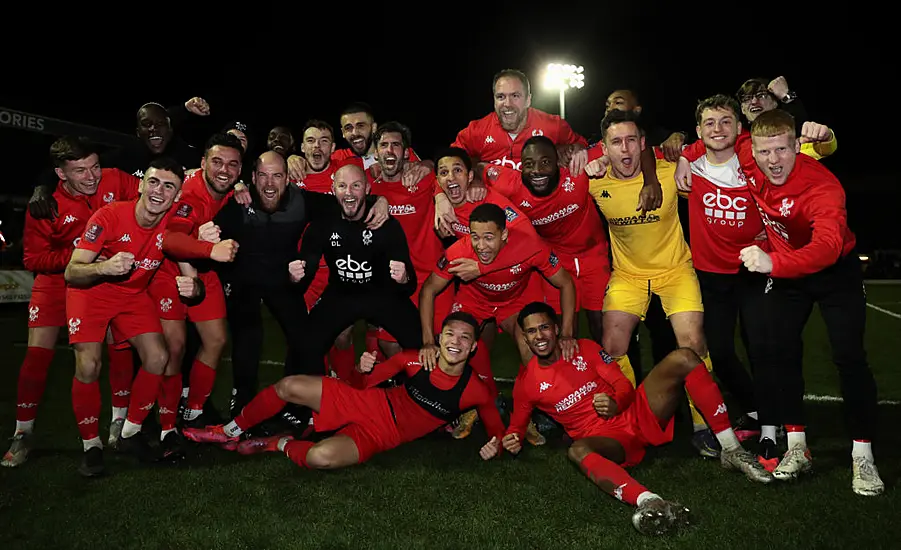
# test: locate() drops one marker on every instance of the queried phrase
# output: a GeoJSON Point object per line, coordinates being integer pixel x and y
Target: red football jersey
{"type": "Point", "coordinates": [414, 208]}
{"type": "Point", "coordinates": [722, 216]}
{"type": "Point", "coordinates": [565, 390]}
{"type": "Point", "coordinates": [195, 207]}
{"type": "Point", "coordinates": [48, 244]}
{"type": "Point", "coordinates": [503, 280]}
{"type": "Point", "coordinates": [485, 140]}
{"type": "Point", "coordinates": [113, 229]}
{"type": "Point", "coordinates": [515, 217]}
{"type": "Point", "coordinates": [320, 182]}
{"type": "Point", "coordinates": [567, 218]}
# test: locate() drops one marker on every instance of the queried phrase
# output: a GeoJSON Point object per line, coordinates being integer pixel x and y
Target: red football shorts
{"type": "Point", "coordinates": [483, 309]}
{"type": "Point", "coordinates": [317, 287]}
{"type": "Point", "coordinates": [169, 305]}
{"type": "Point", "coordinates": [363, 415]}
{"type": "Point", "coordinates": [444, 303]}
{"type": "Point", "coordinates": [590, 273]}
{"type": "Point", "coordinates": [635, 429]}
{"type": "Point", "coordinates": [127, 315]}
{"type": "Point", "coordinates": [47, 308]}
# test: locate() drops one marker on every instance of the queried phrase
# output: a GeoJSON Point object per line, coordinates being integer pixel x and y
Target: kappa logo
{"type": "Point", "coordinates": [537, 132]}
{"type": "Point", "coordinates": [69, 219]}
{"type": "Point", "coordinates": [605, 194]}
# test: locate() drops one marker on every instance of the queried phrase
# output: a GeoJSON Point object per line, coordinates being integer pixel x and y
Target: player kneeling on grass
{"type": "Point", "coordinates": [611, 423]}
{"type": "Point", "coordinates": [371, 420]}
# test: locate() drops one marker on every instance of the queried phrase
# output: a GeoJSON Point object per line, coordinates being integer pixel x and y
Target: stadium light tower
{"type": "Point", "coordinates": [562, 77]}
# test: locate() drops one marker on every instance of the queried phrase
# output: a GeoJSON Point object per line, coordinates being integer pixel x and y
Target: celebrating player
{"type": "Point", "coordinates": [111, 293]}
{"type": "Point", "coordinates": [507, 262]}
{"type": "Point", "coordinates": [414, 208]}
{"type": "Point", "coordinates": [371, 420]}
{"type": "Point", "coordinates": [83, 188]}
{"type": "Point", "coordinates": [812, 258]}
{"type": "Point", "coordinates": [610, 422]}
{"type": "Point", "coordinates": [649, 256]}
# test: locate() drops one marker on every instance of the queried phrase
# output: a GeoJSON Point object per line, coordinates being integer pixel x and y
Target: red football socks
{"type": "Point", "coordinates": [86, 404]}
{"type": "Point", "coordinates": [31, 383]}
{"type": "Point", "coordinates": [265, 405]}
{"type": "Point", "coordinates": [202, 379]}
{"type": "Point", "coordinates": [297, 452]}
{"type": "Point", "coordinates": [612, 478]}
{"type": "Point", "coordinates": [170, 394]}
{"type": "Point", "coordinates": [121, 375]}
{"type": "Point", "coordinates": [144, 391]}
{"type": "Point", "coordinates": [708, 399]}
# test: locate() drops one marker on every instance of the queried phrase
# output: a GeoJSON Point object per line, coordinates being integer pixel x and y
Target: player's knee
{"type": "Point", "coordinates": [578, 451]}
{"type": "Point", "coordinates": [87, 369]}
{"type": "Point", "coordinates": [321, 457]}
{"type": "Point", "coordinates": [290, 388]}
{"type": "Point", "coordinates": [156, 360]}
{"type": "Point", "coordinates": [214, 341]}
{"type": "Point", "coordinates": [683, 360]}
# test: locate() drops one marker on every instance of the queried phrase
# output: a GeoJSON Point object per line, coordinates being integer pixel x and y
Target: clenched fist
{"type": "Point", "coordinates": [367, 362]}
{"type": "Point", "coordinates": [812, 132]}
{"type": "Point", "coordinates": [295, 270]}
{"type": "Point", "coordinates": [398, 271]}
{"type": "Point", "coordinates": [604, 405]}
{"type": "Point", "coordinates": [224, 251]}
{"type": "Point", "coordinates": [511, 443]}
{"type": "Point", "coordinates": [756, 260]}
{"type": "Point", "coordinates": [120, 264]}
{"type": "Point", "coordinates": [189, 287]}
{"type": "Point", "coordinates": [208, 232]}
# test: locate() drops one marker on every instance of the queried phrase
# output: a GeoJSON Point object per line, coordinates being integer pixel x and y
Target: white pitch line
{"type": "Point", "coordinates": [883, 310]}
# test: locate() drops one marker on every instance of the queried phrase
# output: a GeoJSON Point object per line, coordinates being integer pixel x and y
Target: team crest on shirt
{"type": "Point", "coordinates": [108, 197]}
{"type": "Point", "coordinates": [580, 363]}
{"type": "Point", "coordinates": [93, 233]}
{"type": "Point", "coordinates": [184, 209]}
{"type": "Point", "coordinates": [367, 237]}
{"type": "Point", "coordinates": [605, 356]}
{"type": "Point", "coordinates": [553, 260]}
{"type": "Point", "coordinates": [568, 185]}
{"type": "Point", "coordinates": [492, 173]}
{"type": "Point", "coordinates": [159, 241]}
{"type": "Point", "coordinates": [510, 214]}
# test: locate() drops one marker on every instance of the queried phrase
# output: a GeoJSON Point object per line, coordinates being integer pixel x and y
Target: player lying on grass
{"type": "Point", "coordinates": [611, 423]}
{"type": "Point", "coordinates": [370, 420]}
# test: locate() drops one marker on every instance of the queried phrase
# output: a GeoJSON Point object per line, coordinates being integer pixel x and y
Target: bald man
{"type": "Point", "coordinates": [371, 275]}
{"type": "Point", "coordinates": [268, 230]}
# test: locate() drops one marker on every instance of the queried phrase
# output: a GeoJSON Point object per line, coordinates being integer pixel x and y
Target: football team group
{"type": "Point", "coordinates": [158, 254]}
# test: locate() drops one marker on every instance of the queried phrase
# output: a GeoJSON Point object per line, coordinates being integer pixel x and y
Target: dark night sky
{"type": "Point", "coordinates": [434, 74]}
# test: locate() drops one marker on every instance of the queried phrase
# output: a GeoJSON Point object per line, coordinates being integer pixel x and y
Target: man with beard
{"type": "Point", "coordinates": [155, 138]}
{"type": "Point", "coordinates": [83, 189]}
{"type": "Point", "coordinates": [650, 255]}
{"type": "Point", "coordinates": [371, 420]}
{"type": "Point", "coordinates": [357, 127]}
{"type": "Point", "coordinates": [204, 194]}
{"type": "Point", "coordinates": [499, 137]}
{"type": "Point", "coordinates": [371, 275]}
{"type": "Point", "coordinates": [414, 208]}
{"type": "Point", "coordinates": [268, 230]}
{"type": "Point", "coordinates": [611, 423]}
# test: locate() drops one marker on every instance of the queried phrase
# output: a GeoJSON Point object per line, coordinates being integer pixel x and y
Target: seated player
{"type": "Point", "coordinates": [370, 420]}
{"type": "Point", "coordinates": [611, 423]}
{"type": "Point", "coordinates": [509, 264]}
